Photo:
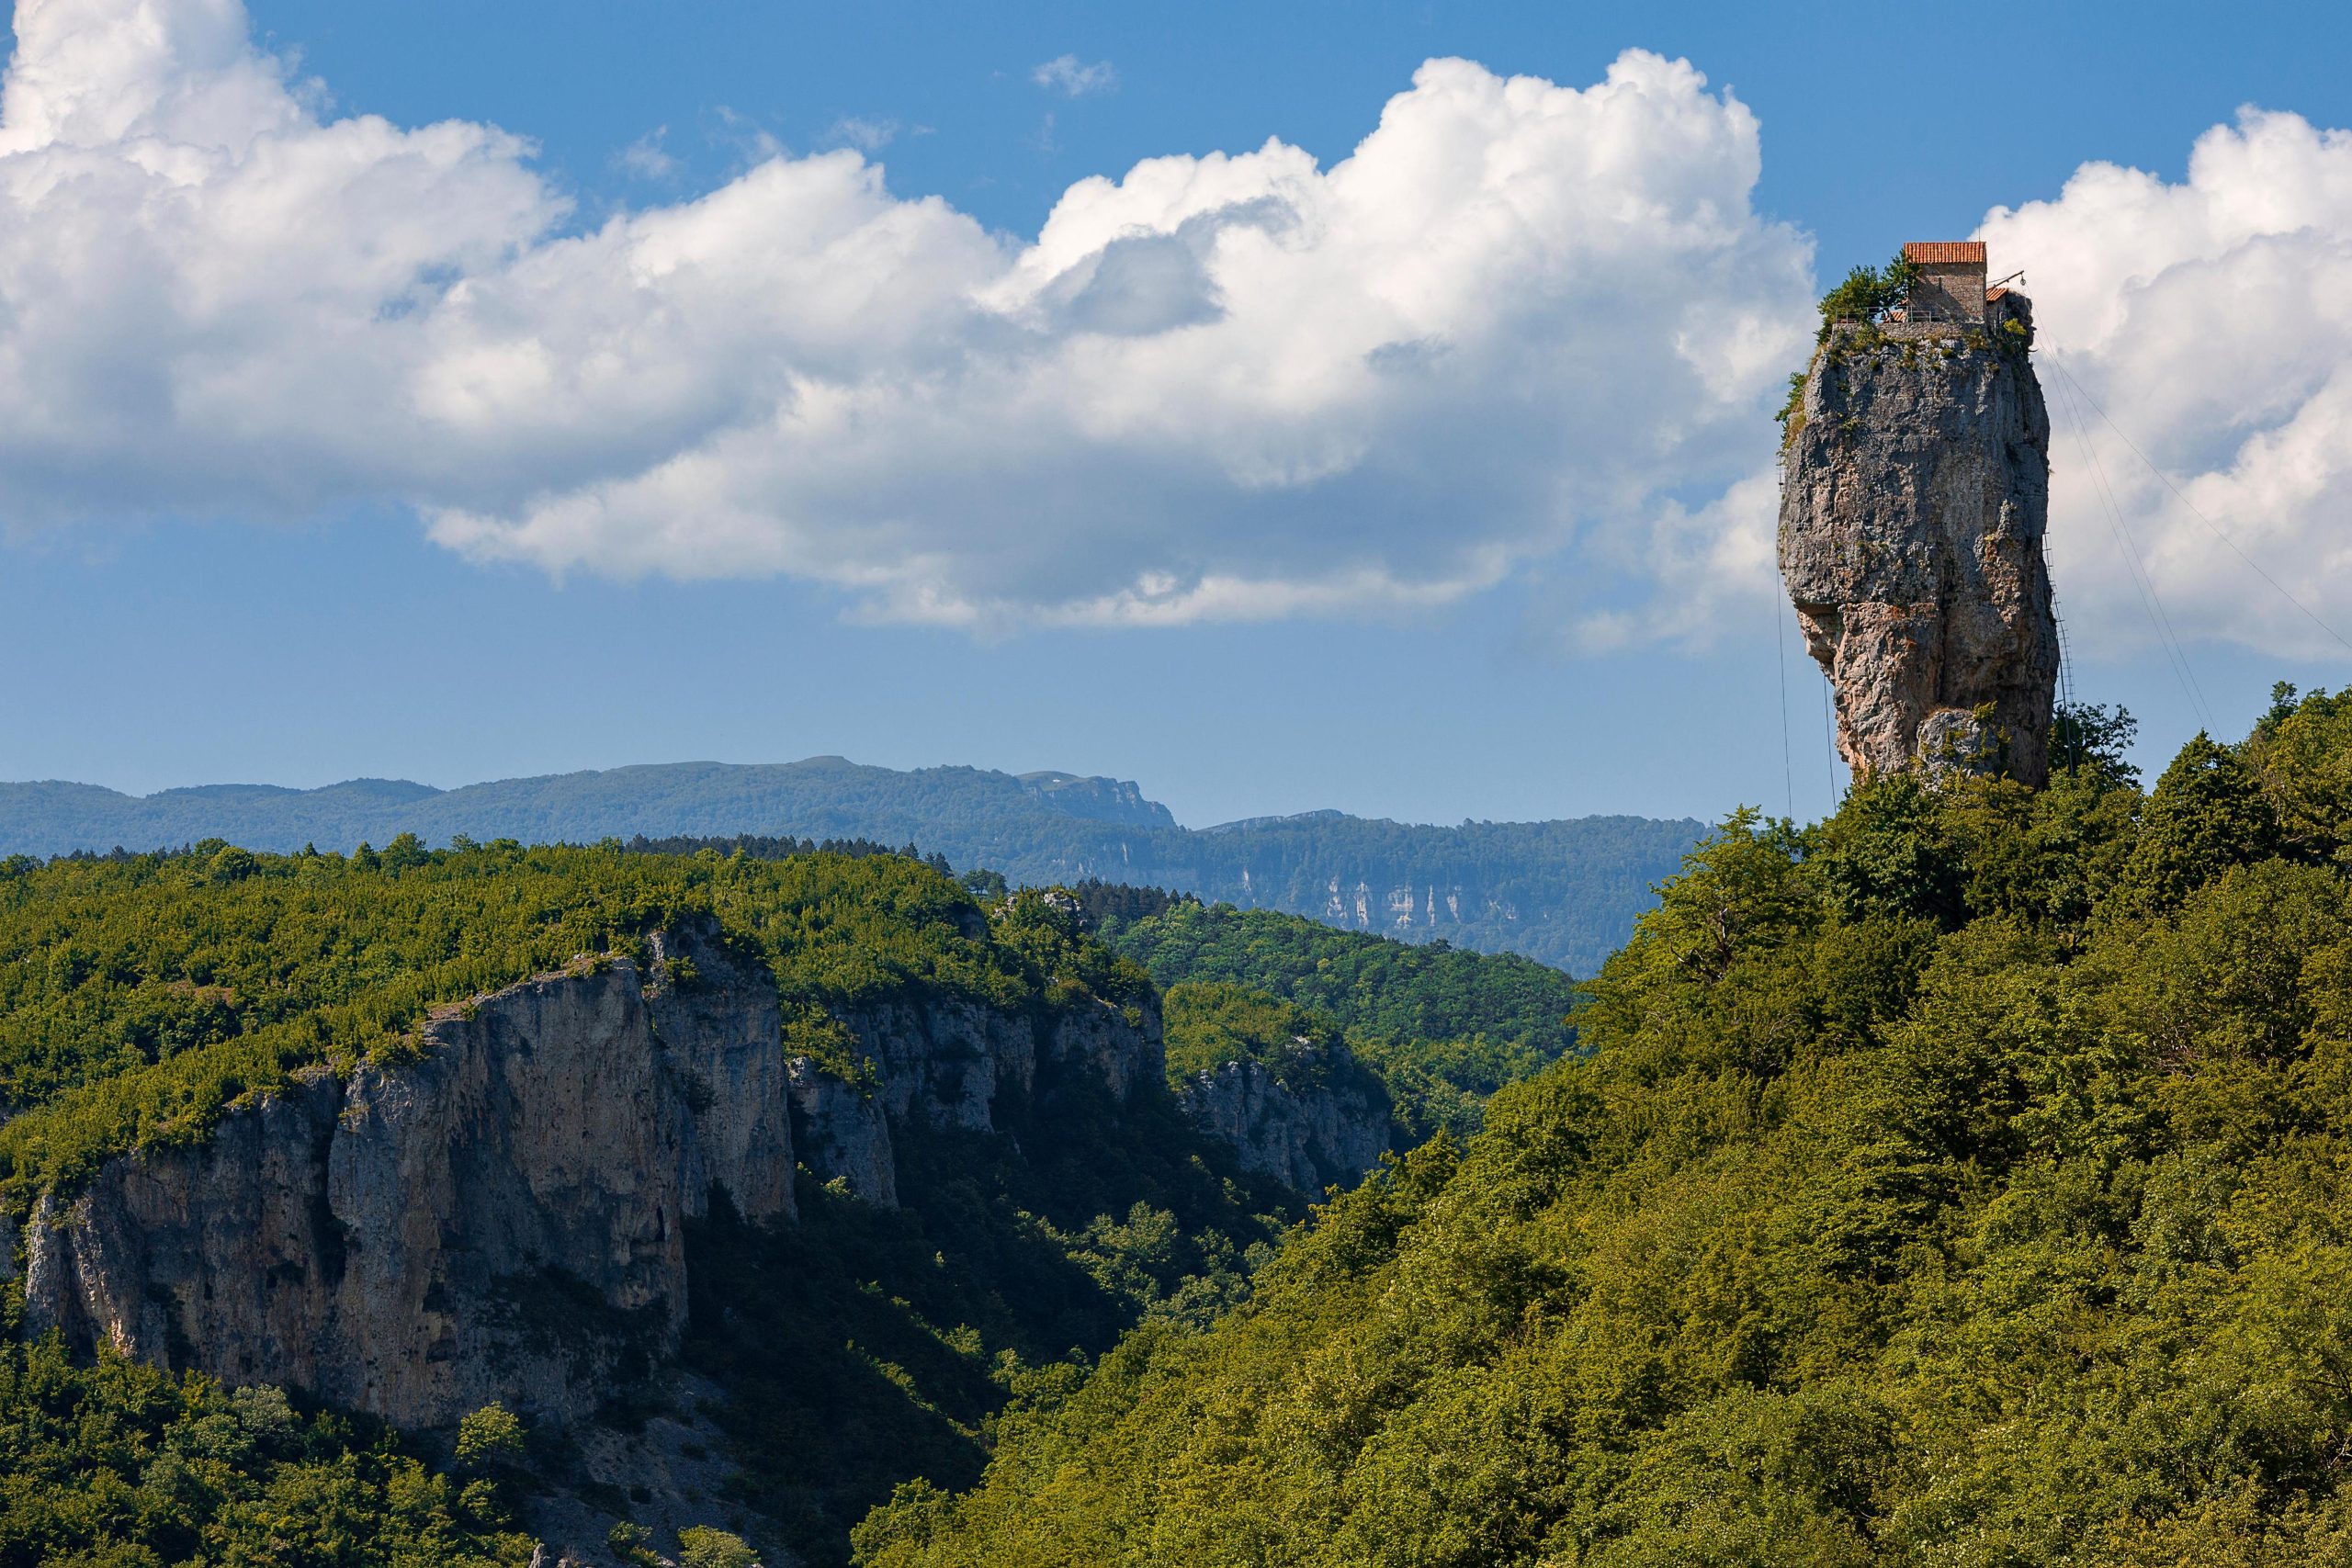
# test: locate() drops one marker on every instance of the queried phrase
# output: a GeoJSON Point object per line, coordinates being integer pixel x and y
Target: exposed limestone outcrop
{"type": "Point", "coordinates": [955, 1063]}
{"type": "Point", "coordinates": [1117, 801]}
{"type": "Point", "coordinates": [952, 1064]}
{"type": "Point", "coordinates": [947, 1063]}
{"type": "Point", "coordinates": [840, 1135]}
{"type": "Point", "coordinates": [1099, 1041]}
{"type": "Point", "coordinates": [1916, 492]}
{"type": "Point", "coordinates": [719, 1032]}
{"type": "Point", "coordinates": [504, 1216]}
{"type": "Point", "coordinates": [1325, 1129]}
{"type": "Point", "coordinates": [501, 1219]}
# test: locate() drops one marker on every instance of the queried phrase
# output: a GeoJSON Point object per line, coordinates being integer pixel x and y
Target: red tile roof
{"type": "Point", "coordinates": [1993, 294]}
{"type": "Point", "coordinates": [1928, 253]}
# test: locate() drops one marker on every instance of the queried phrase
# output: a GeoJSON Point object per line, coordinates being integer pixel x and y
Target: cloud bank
{"type": "Point", "coordinates": [1518, 315]}
{"type": "Point", "coordinates": [1519, 323]}
{"type": "Point", "coordinates": [2211, 320]}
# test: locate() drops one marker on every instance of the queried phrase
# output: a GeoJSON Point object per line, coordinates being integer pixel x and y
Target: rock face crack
{"type": "Point", "coordinates": [1916, 494]}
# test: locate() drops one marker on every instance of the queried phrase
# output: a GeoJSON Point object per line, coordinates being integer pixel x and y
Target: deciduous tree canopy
{"type": "Point", "coordinates": [1960, 1181]}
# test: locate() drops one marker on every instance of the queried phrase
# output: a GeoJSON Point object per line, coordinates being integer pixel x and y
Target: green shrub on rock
{"type": "Point", "coordinates": [699, 1546]}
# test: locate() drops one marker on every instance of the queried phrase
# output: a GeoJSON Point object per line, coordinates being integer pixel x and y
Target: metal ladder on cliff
{"type": "Point", "coordinates": [2066, 656]}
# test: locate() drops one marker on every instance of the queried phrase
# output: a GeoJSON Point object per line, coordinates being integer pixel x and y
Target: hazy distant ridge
{"type": "Point", "coordinates": [1565, 892]}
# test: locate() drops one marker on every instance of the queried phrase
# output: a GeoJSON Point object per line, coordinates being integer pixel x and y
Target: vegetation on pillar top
{"type": "Point", "coordinates": [1863, 298]}
{"type": "Point", "coordinates": [1866, 295]}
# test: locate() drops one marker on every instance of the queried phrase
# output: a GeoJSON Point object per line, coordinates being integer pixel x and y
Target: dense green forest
{"type": "Point", "coordinates": [1212, 1024]}
{"type": "Point", "coordinates": [142, 997]}
{"type": "Point", "coordinates": [119, 1465]}
{"type": "Point", "coordinates": [1565, 892]}
{"type": "Point", "coordinates": [1960, 1181]}
{"type": "Point", "coordinates": [1443, 1027]}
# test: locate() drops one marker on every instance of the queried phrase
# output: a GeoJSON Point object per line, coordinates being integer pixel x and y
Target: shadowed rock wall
{"type": "Point", "coordinates": [1308, 1138]}
{"type": "Point", "coordinates": [500, 1220]}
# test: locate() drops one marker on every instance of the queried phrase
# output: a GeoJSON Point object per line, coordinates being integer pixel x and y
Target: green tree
{"type": "Point", "coordinates": [2302, 753]}
{"type": "Point", "coordinates": [699, 1546]}
{"type": "Point", "coordinates": [2209, 812]}
{"type": "Point", "coordinates": [231, 864]}
{"type": "Point", "coordinates": [1867, 294]}
{"type": "Point", "coordinates": [490, 1438]}
{"type": "Point", "coordinates": [633, 1544]}
{"type": "Point", "coordinates": [1891, 851]}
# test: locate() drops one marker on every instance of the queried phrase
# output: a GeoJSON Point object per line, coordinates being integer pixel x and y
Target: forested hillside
{"type": "Point", "coordinates": [1959, 1183]}
{"type": "Point", "coordinates": [145, 1000]}
{"type": "Point", "coordinates": [1445, 1027]}
{"type": "Point", "coordinates": [1565, 892]}
{"type": "Point", "coordinates": [139, 998]}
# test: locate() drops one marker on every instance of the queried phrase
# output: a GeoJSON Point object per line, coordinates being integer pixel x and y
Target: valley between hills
{"type": "Point", "coordinates": [1954, 1180]}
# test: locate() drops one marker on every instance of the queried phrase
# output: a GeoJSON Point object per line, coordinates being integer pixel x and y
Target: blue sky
{"type": "Point", "coordinates": [217, 613]}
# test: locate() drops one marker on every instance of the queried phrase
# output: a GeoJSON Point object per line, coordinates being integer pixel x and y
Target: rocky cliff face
{"type": "Point", "coordinates": [840, 1135]}
{"type": "Point", "coordinates": [956, 1064]}
{"type": "Point", "coordinates": [952, 1064]}
{"type": "Point", "coordinates": [1309, 1137]}
{"type": "Point", "coordinates": [1916, 494]}
{"type": "Point", "coordinates": [718, 1034]}
{"type": "Point", "coordinates": [1119, 801]}
{"type": "Point", "coordinates": [502, 1218]}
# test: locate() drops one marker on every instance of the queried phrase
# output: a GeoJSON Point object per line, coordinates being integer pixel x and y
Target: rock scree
{"type": "Point", "coordinates": [1915, 491]}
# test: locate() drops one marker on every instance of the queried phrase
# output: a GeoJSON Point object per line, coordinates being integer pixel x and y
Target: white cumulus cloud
{"type": "Point", "coordinates": [2211, 320]}
{"type": "Point", "coordinates": [1516, 319]}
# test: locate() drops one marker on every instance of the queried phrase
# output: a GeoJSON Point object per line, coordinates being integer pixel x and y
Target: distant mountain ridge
{"type": "Point", "coordinates": [1098, 799]}
{"type": "Point", "coordinates": [1565, 892]}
